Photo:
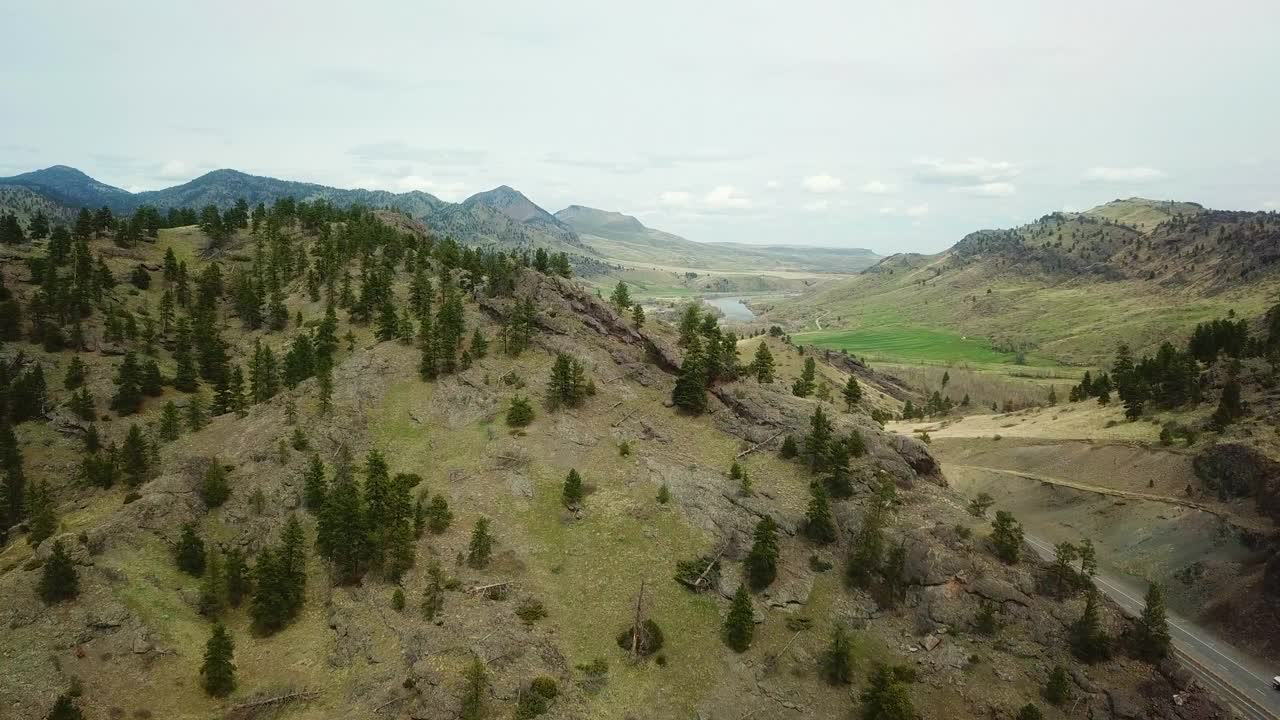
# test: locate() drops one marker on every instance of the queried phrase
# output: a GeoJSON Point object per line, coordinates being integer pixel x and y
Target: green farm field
{"type": "Point", "coordinates": [916, 345]}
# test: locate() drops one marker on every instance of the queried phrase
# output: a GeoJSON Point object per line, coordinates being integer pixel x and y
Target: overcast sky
{"type": "Point", "coordinates": [895, 126]}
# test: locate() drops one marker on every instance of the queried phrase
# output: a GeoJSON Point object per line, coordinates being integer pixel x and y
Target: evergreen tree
{"type": "Point", "coordinates": [82, 404]}
{"type": "Point", "coordinates": [740, 623]}
{"type": "Point", "coordinates": [1089, 641]}
{"type": "Point", "coordinates": [135, 457]}
{"type": "Point", "coordinates": [42, 518]}
{"type": "Point", "coordinates": [197, 415]}
{"type": "Point", "coordinates": [238, 579]}
{"type": "Point", "coordinates": [1151, 634]}
{"type": "Point", "coordinates": [170, 422]}
{"type": "Point", "coordinates": [475, 687]}
{"type": "Point", "coordinates": [128, 397]}
{"type": "Point", "coordinates": [342, 536]}
{"type": "Point", "coordinates": [868, 547]}
{"type": "Point", "coordinates": [1058, 690]}
{"type": "Point", "coordinates": [190, 551]}
{"type": "Point", "coordinates": [852, 394]}
{"type": "Point", "coordinates": [837, 659]}
{"type": "Point", "coordinates": [481, 545]}
{"type": "Point", "coordinates": [433, 594]}
{"type": "Point", "coordinates": [520, 414]}
{"type": "Point", "coordinates": [1006, 536]}
{"type": "Point", "coordinates": [75, 373]}
{"type": "Point", "coordinates": [65, 708]}
{"type": "Point", "coordinates": [1062, 572]}
{"type": "Point", "coordinates": [439, 517]}
{"type": "Point", "coordinates": [314, 485]}
{"type": "Point", "coordinates": [213, 585]}
{"type": "Point", "coordinates": [58, 578]}
{"type": "Point", "coordinates": [762, 365]}
{"type": "Point", "coordinates": [690, 392]}
{"type": "Point", "coordinates": [637, 316]}
{"type": "Point", "coordinates": [819, 526]}
{"type": "Point", "coordinates": [571, 495]}
{"type": "Point", "coordinates": [886, 697]}
{"type": "Point", "coordinates": [14, 479]}
{"type": "Point", "coordinates": [567, 386]}
{"type": "Point", "coordinates": [621, 297]}
{"type": "Point", "coordinates": [218, 672]}
{"type": "Point", "coordinates": [803, 386]}
{"type": "Point", "coordinates": [1230, 408]}
{"type": "Point", "coordinates": [762, 560]}
{"type": "Point", "coordinates": [789, 449]}
{"type": "Point", "coordinates": [214, 488]}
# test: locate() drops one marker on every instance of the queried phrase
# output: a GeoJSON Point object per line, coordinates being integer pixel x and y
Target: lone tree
{"type": "Point", "coordinates": [214, 488]}
{"type": "Point", "coordinates": [852, 393]}
{"type": "Point", "coordinates": [58, 581]}
{"type": "Point", "coordinates": [886, 697]}
{"type": "Point", "coordinates": [1006, 536]}
{"type": "Point", "coordinates": [568, 384]}
{"type": "Point", "coordinates": [740, 623]}
{"type": "Point", "coordinates": [762, 561]}
{"type": "Point", "coordinates": [190, 552]}
{"type": "Point", "coordinates": [520, 414]}
{"type": "Point", "coordinates": [762, 365]}
{"type": "Point", "coordinates": [476, 684]}
{"type": "Point", "coordinates": [837, 659]}
{"type": "Point", "coordinates": [1058, 689]}
{"type": "Point", "coordinates": [818, 524]}
{"type": "Point", "coordinates": [637, 315]}
{"type": "Point", "coordinates": [621, 297]}
{"type": "Point", "coordinates": [481, 545]}
{"type": "Point", "coordinates": [572, 493]}
{"type": "Point", "coordinates": [218, 673]}
{"type": "Point", "coordinates": [1151, 635]}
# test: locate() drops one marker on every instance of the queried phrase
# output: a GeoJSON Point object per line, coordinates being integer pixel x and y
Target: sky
{"type": "Point", "coordinates": [894, 126]}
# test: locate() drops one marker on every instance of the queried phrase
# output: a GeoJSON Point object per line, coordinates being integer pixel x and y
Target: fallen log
{"type": "Point", "coordinates": [759, 445]}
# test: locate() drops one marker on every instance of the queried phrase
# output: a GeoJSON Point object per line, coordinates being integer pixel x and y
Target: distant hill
{"type": "Point", "coordinates": [502, 216]}
{"type": "Point", "coordinates": [625, 240]}
{"type": "Point", "coordinates": [1070, 286]}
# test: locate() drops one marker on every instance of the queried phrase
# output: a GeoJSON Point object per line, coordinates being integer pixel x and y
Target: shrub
{"type": "Point", "coordinates": [649, 642]}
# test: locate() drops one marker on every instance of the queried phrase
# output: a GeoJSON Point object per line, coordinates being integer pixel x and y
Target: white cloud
{"type": "Point", "coordinates": [823, 184]}
{"type": "Point", "coordinates": [773, 184]}
{"type": "Point", "coordinates": [449, 191]}
{"type": "Point", "coordinates": [175, 170]}
{"type": "Point", "coordinates": [875, 187]}
{"type": "Point", "coordinates": [973, 171]}
{"type": "Point", "coordinates": [726, 197]}
{"type": "Point", "coordinates": [1272, 204]}
{"type": "Point", "coordinates": [675, 198]}
{"type": "Point", "coordinates": [816, 206]}
{"type": "Point", "coordinates": [991, 189]}
{"type": "Point", "coordinates": [1123, 174]}
{"type": "Point", "coordinates": [909, 211]}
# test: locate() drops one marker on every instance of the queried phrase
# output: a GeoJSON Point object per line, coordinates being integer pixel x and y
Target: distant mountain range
{"type": "Point", "coordinates": [502, 216]}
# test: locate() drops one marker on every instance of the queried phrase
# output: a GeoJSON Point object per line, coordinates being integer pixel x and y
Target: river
{"type": "Point", "coordinates": [734, 308]}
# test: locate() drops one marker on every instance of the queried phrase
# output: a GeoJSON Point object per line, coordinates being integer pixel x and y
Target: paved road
{"type": "Point", "coordinates": [1243, 682]}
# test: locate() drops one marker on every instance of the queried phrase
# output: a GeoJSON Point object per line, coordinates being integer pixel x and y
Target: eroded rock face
{"type": "Point", "coordinates": [1234, 470]}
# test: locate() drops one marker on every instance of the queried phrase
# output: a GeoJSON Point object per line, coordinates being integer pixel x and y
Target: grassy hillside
{"type": "Point", "coordinates": [1066, 288]}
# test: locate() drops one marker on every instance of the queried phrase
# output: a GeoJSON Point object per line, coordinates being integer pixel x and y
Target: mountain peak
{"type": "Point", "coordinates": [591, 220]}
{"type": "Point", "coordinates": [512, 203]}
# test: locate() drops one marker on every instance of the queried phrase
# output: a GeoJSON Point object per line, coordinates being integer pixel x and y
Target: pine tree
{"type": "Point", "coordinates": [58, 578]}
{"type": "Point", "coordinates": [128, 397]}
{"type": "Point", "coordinates": [571, 495]}
{"type": "Point", "coordinates": [886, 697]}
{"type": "Point", "coordinates": [520, 414]}
{"type": "Point", "coordinates": [433, 594]}
{"type": "Point", "coordinates": [1151, 633]}
{"type": "Point", "coordinates": [690, 392]}
{"type": "Point", "coordinates": [190, 552]}
{"type": "Point", "coordinates": [214, 488]}
{"type": "Point", "coordinates": [213, 585]}
{"type": "Point", "coordinates": [762, 560]}
{"type": "Point", "coordinates": [170, 422]}
{"type": "Point", "coordinates": [1058, 690]}
{"type": "Point", "coordinates": [218, 672]}
{"type": "Point", "coordinates": [314, 485]}
{"type": "Point", "coordinates": [868, 546]}
{"type": "Point", "coordinates": [135, 457]}
{"type": "Point", "coordinates": [762, 365]}
{"type": "Point", "coordinates": [152, 382]}
{"type": "Point", "coordinates": [819, 526]}
{"type": "Point", "coordinates": [789, 449]}
{"type": "Point", "coordinates": [439, 516]}
{"type": "Point", "coordinates": [621, 297]}
{"type": "Point", "coordinates": [852, 394]}
{"type": "Point", "coordinates": [342, 537]}
{"type": "Point", "coordinates": [740, 623]}
{"type": "Point", "coordinates": [1006, 536]}
{"type": "Point", "coordinates": [567, 386]}
{"type": "Point", "coordinates": [1089, 641]}
{"type": "Point", "coordinates": [42, 518]}
{"type": "Point", "coordinates": [837, 659]}
{"type": "Point", "coordinates": [637, 316]}
{"type": "Point", "coordinates": [803, 386]}
{"type": "Point", "coordinates": [238, 579]}
{"type": "Point", "coordinates": [475, 687]}
{"type": "Point", "coordinates": [481, 545]}
{"type": "Point", "coordinates": [65, 708]}
{"type": "Point", "coordinates": [75, 373]}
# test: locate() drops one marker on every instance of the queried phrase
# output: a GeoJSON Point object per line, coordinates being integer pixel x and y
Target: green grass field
{"type": "Point", "coordinates": [913, 345]}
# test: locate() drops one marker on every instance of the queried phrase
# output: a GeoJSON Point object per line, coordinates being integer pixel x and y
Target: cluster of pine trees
{"type": "Point", "coordinates": [710, 355]}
